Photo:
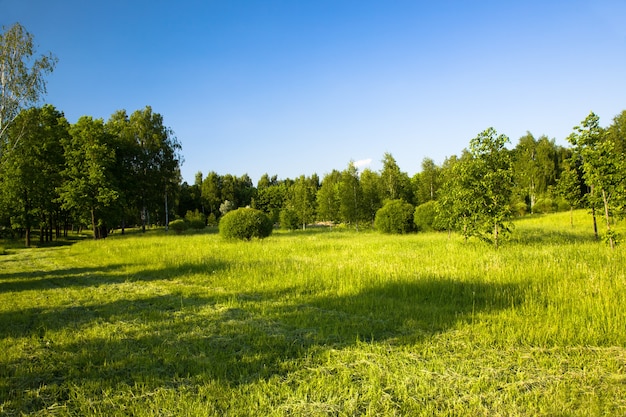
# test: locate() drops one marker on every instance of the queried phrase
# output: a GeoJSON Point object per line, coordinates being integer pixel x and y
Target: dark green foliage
{"type": "Point", "coordinates": [396, 216]}
{"type": "Point", "coordinates": [245, 223]}
{"type": "Point", "coordinates": [178, 226]}
{"type": "Point", "coordinates": [424, 216]}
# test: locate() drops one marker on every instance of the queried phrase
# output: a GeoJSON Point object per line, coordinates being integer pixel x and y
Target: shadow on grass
{"type": "Point", "coordinates": [233, 337]}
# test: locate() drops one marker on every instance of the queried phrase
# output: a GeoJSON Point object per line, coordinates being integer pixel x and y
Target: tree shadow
{"type": "Point", "coordinates": [231, 337]}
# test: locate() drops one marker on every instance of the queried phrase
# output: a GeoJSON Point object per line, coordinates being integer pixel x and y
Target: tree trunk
{"type": "Point", "coordinates": [93, 223]}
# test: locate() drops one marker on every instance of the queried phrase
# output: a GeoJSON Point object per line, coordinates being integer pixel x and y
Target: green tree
{"type": "Point", "coordinates": [328, 202]}
{"type": "Point", "coordinates": [395, 184]}
{"type": "Point", "coordinates": [270, 196]}
{"type": "Point", "coordinates": [370, 189]}
{"type": "Point", "coordinates": [89, 178]}
{"type": "Point", "coordinates": [427, 182]}
{"type": "Point", "coordinates": [22, 76]}
{"type": "Point", "coordinates": [350, 196]}
{"type": "Point", "coordinates": [603, 168]}
{"type": "Point", "coordinates": [157, 166]}
{"type": "Point", "coordinates": [30, 177]}
{"type": "Point", "coordinates": [303, 198]}
{"type": "Point", "coordinates": [535, 167]}
{"type": "Point", "coordinates": [569, 186]}
{"type": "Point", "coordinates": [211, 193]}
{"type": "Point", "coordinates": [475, 198]}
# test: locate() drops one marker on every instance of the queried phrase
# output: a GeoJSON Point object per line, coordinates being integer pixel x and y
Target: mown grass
{"type": "Point", "coordinates": [317, 323]}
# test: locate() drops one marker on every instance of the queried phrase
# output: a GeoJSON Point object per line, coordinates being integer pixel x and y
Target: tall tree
{"type": "Point", "coordinates": [302, 199]}
{"type": "Point", "coordinates": [350, 196]}
{"type": "Point", "coordinates": [478, 189]}
{"type": "Point", "coordinates": [370, 187]}
{"type": "Point", "coordinates": [328, 197]}
{"type": "Point", "coordinates": [22, 77]}
{"type": "Point", "coordinates": [158, 159]}
{"type": "Point", "coordinates": [211, 193]}
{"type": "Point", "coordinates": [603, 168]}
{"type": "Point", "coordinates": [395, 184]}
{"type": "Point", "coordinates": [427, 181]}
{"type": "Point", "coordinates": [30, 178]}
{"type": "Point", "coordinates": [89, 185]}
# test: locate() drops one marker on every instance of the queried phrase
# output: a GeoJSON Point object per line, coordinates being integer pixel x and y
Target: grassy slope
{"type": "Point", "coordinates": [317, 323]}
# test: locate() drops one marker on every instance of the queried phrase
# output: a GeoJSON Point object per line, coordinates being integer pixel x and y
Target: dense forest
{"type": "Point", "coordinates": [125, 172]}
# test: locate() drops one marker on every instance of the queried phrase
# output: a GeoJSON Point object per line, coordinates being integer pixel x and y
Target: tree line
{"type": "Point", "coordinates": [126, 172]}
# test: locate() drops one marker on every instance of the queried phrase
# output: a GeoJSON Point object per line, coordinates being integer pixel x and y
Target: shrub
{"type": "Point", "coordinates": [211, 220]}
{"type": "Point", "coordinates": [178, 226]}
{"type": "Point", "coordinates": [424, 216]}
{"type": "Point", "coordinates": [396, 216]}
{"type": "Point", "coordinates": [289, 219]}
{"type": "Point", "coordinates": [245, 223]}
{"type": "Point", "coordinates": [195, 219]}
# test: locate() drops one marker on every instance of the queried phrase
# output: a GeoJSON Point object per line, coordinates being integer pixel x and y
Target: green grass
{"type": "Point", "coordinates": [317, 323]}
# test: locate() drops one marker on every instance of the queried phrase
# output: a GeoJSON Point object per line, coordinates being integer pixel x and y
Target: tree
{"type": "Point", "coordinates": [395, 184]}
{"type": "Point", "coordinates": [89, 180]}
{"type": "Point", "coordinates": [350, 196]}
{"type": "Point", "coordinates": [157, 164]}
{"type": "Point", "coordinates": [535, 167]}
{"type": "Point", "coordinates": [475, 198]}
{"type": "Point", "coordinates": [30, 177]}
{"type": "Point", "coordinates": [22, 80]}
{"type": "Point", "coordinates": [370, 189]}
{"type": "Point", "coordinates": [603, 168]}
{"type": "Point", "coordinates": [427, 181]}
{"type": "Point", "coordinates": [328, 197]}
{"type": "Point", "coordinates": [211, 195]}
{"type": "Point", "coordinates": [302, 199]}
{"type": "Point", "coordinates": [569, 186]}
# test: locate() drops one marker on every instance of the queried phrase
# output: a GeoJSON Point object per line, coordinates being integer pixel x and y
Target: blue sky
{"type": "Point", "coordinates": [303, 87]}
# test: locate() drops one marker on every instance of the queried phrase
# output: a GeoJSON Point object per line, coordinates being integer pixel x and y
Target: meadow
{"type": "Point", "coordinates": [317, 323]}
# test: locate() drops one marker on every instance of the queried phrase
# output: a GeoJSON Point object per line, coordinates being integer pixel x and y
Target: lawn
{"type": "Point", "coordinates": [317, 323]}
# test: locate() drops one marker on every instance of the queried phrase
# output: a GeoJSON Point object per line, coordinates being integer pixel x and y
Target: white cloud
{"type": "Point", "coordinates": [363, 163]}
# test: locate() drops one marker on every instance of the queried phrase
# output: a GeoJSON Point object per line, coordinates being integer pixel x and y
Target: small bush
{"type": "Point", "coordinates": [424, 216]}
{"type": "Point", "coordinates": [178, 226]}
{"type": "Point", "coordinates": [289, 219]}
{"type": "Point", "coordinates": [211, 220]}
{"type": "Point", "coordinates": [195, 219]}
{"type": "Point", "coordinates": [396, 216]}
{"type": "Point", "coordinates": [245, 223]}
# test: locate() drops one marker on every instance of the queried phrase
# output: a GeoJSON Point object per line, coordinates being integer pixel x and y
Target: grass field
{"type": "Point", "coordinates": [317, 323]}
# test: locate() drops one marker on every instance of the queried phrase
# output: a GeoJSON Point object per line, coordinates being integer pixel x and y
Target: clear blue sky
{"type": "Point", "coordinates": [301, 87]}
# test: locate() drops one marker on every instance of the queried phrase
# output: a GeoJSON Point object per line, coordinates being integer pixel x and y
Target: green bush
{"type": "Point", "coordinates": [289, 219]}
{"type": "Point", "coordinates": [396, 216]}
{"type": "Point", "coordinates": [195, 219]}
{"type": "Point", "coordinates": [424, 216]}
{"type": "Point", "coordinates": [245, 223]}
{"type": "Point", "coordinates": [178, 226]}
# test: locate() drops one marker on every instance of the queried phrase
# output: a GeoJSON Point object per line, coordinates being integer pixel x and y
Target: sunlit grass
{"type": "Point", "coordinates": [317, 323]}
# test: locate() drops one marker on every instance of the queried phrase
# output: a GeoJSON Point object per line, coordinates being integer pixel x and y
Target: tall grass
{"type": "Point", "coordinates": [317, 323]}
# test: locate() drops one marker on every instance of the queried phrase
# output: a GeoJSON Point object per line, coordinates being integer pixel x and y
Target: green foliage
{"type": "Point", "coordinates": [211, 220]}
{"type": "Point", "coordinates": [425, 215]}
{"type": "Point", "coordinates": [245, 223]}
{"type": "Point", "coordinates": [395, 217]}
{"type": "Point", "coordinates": [178, 226]}
{"type": "Point", "coordinates": [289, 219]}
{"type": "Point", "coordinates": [195, 219]}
